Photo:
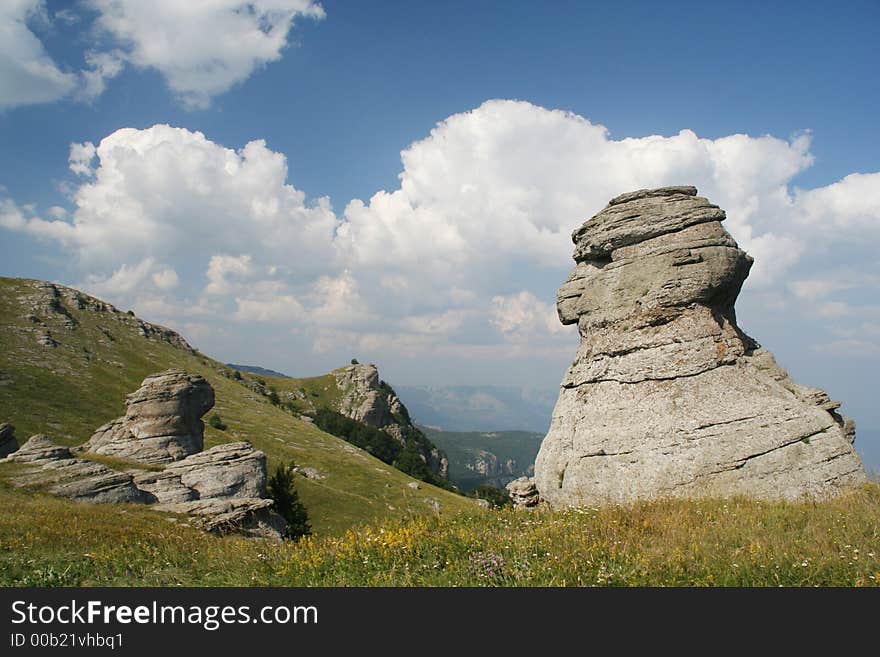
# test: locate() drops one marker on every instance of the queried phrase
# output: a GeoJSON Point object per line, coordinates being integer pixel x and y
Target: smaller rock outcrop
{"type": "Point", "coordinates": [162, 421]}
{"type": "Point", "coordinates": [8, 443]}
{"type": "Point", "coordinates": [309, 472]}
{"type": "Point", "coordinates": [363, 398]}
{"type": "Point", "coordinates": [523, 493]}
{"type": "Point", "coordinates": [222, 489]}
{"type": "Point", "coordinates": [40, 449]}
{"type": "Point", "coordinates": [249, 516]}
{"type": "Point", "coordinates": [55, 468]}
{"type": "Point", "coordinates": [367, 399]}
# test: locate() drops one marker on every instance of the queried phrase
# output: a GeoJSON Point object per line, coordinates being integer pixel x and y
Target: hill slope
{"type": "Point", "coordinates": [67, 360]}
{"type": "Point", "coordinates": [352, 402]}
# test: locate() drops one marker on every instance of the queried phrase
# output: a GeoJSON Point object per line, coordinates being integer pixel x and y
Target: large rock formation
{"type": "Point", "coordinates": [667, 396]}
{"type": "Point", "coordinates": [161, 422]}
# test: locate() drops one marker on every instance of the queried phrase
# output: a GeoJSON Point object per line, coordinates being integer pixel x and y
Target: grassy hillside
{"type": "Point", "coordinates": [305, 395]}
{"type": "Point", "coordinates": [68, 390]}
{"type": "Point", "coordinates": [45, 541]}
{"type": "Point", "coordinates": [465, 448]}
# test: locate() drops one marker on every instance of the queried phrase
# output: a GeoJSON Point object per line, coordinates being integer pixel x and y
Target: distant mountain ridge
{"type": "Point", "coordinates": [481, 408]}
{"type": "Point", "coordinates": [255, 369]}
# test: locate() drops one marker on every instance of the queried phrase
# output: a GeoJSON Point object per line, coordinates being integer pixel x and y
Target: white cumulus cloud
{"type": "Point", "coordinates": [27, 73]}
{"type": "Point", "coordinates": [465, 256]}
{"type": "Point", "coordinates": [521, 316]}
{"type": "Point", "coordinates": [202, 48]}
{"type": "Point", "coordinates": [166, 192]}
{"type": "Point", "coordinates": [511, 180]}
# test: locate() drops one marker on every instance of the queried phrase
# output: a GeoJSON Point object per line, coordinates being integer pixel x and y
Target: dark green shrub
{"type": "Point", "coordinates": [216, 422]}
{"type": "Point", "coordinates": [376, 442]}
{"type": "Point", "coordinates": [410, 461]}
{"type": "Point", "coordinates": [497, 497]}
{"type": "Point", "coordinates": [282, 490]}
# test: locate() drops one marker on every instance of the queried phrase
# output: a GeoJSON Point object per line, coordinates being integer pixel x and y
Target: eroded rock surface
{"type": "Point", "coordinates": [232, 470]}
{"type": "Point", "coordinates": [523, 493]}
{"type": "Point", "coordinates": [162, 422]}
{"type": "Point", "coordinates": [666, 395]}
{"type": "Point", "coordinates": [223, 489]}
{"type": "Point", "coordinates": [56, 469]}
{"type": "Point", "coordinates": [367, 399]}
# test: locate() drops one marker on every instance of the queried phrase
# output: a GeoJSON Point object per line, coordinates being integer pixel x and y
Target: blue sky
{"type": "Point", "coordinates": [444, 271]}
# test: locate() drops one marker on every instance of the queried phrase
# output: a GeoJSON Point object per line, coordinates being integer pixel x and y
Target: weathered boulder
{"type": "Point", "coordinates": [39, 449]}
{"type": "Point", "coordinates": [667, 396]}
{"type": "Point", "coordinates": [232, 470]}
{"type": "Point", "coordinates": [162, 420]}
{"type": "Point", "coordinates": [309, 472]}
{"type": "Point", "coordinates": [249, 516]}
{"type": "Point", "coordinates": [56, 469]}
{"type": "Point", "coordinates": [523, 493]}
{"type": "Point", "coordinates": [8, 443]}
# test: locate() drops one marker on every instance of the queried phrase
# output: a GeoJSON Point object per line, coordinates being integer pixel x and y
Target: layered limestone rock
{"type": "Point", "coordinates": [226, 471]}
{"type": "Point", "coordinates": [54, 468]}
{"type": "Point", "coordinates": [523, 493]}
{"type": "Point", "coordinates": [222, 489]}
{"type": "Point", "coordinates": [666, 395]}
{"type": "Point", "coordinates": [162, 421]}
{"type": "Point", "coordinates": [367, 399]}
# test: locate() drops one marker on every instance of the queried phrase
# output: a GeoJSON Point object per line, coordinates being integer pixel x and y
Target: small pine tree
{"type": "Point", "coordinates": [282, 490]}
{"type": "Point", "coordinates": [497, 497]}
{"type": "Point", "coordinates": [216, 422]}
{"type": "Point", "coordinates": [354, 361]}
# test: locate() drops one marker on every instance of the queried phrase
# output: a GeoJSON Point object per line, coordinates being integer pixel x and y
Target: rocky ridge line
{"type": "Point", "coordinates": [49, 316]}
